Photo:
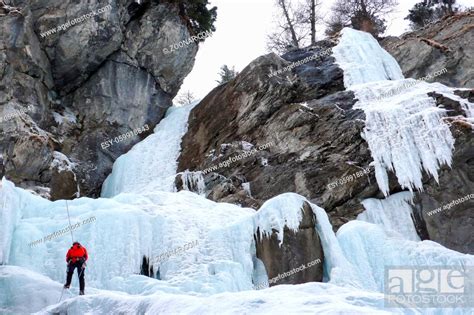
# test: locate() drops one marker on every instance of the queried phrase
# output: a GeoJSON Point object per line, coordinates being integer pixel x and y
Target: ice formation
{"type": "Point", "coordinates": [193, 181]}
{"type": "Point", "coordinates": [370, 249]}
{"type": "Point", "coordinates": [143, 216]}
{"type": "Point", "coordinates": [404, 128]}
{"type": "Point", "coordinates": [153, 161]}
{"type": "Point", "coordinates": [393, 214]}
{"type": "Point", "coordinates": [363, 60]}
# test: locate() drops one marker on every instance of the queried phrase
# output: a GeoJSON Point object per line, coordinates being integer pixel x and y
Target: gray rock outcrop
{"type": "Point", "coordinates": [306, 135]}
{"type": "Point", "coordinates": [93, 73]}
{"type": "Point", "coordinates": [444, 44]}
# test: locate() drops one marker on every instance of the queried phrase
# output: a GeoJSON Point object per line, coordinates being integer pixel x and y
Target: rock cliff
{"type": "Point", "coordinates": [444, 44]}
{"type": "Point", "coordinates": [88, 73]}
{"type": "Point", "coordinates": [297, 131]}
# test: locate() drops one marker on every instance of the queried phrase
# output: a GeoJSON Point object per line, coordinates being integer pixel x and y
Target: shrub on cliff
{"type": "Point", "coordinates": [199, 17]}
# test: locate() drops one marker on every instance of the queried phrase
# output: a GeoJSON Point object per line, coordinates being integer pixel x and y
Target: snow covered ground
{"type": "Point", "coordinates": [141, 215]}
{"type": "Point", "coordinates": [224, 263]}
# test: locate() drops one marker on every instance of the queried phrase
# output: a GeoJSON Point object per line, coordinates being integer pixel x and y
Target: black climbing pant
{"type": "Point", "coordinates": [80, 272]}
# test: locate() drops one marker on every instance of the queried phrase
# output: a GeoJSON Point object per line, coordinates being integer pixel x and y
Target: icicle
{"type": "Point", "coordinates": [194, 181]}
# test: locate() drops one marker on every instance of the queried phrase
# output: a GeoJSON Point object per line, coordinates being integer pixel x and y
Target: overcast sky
{"type": "Point", "coordinates": [240, 37]}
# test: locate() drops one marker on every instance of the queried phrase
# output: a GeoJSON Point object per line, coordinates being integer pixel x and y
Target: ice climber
{"type": "Point", "coordinates": [76, 259]}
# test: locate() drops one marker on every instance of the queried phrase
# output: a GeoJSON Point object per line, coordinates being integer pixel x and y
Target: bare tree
{"type": "Point", "coordinates": [365, 15]}
{"type": "Point", "coordinates": [290, 31]}
{"type": "Point", "coordinates": [185, 98]}
{"type": "Point", "coordinates": [309, 14]}
{"type": "Point", "coordinates": [312, 20]}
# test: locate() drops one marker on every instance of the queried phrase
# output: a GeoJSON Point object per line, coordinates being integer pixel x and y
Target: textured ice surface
{"type": "Point", "coordinates": [370, 249]}
{"type": "Point", "coordinates": [404, 128]}
{"type": "Point", "coordinates": [393, 214]}
{"type": "Point", "coordinates": [224, 260]}
{"type": "Point", "coordinates": [131, 225]}
{"type": "Point", "coordinates": [363, 60]}
{"type": "Point", "coordinates": [153, 161]}
{"type": "Point", "coordinates": [193, 181]}
{"type": "Point", "coordinates": [309, 298]}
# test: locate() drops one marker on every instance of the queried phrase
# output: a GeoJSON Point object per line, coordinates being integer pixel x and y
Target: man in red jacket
{"type": "Point", "coordinates": [76, 258]}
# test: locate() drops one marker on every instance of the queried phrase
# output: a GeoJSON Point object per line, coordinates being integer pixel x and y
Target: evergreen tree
{"type": "Point", "coordinates": [420, 15]}
{"type": "Point", "coordinates": [226, 74]}
{"type": "Point", "coordinates": [428, 11]}
{"type": "Point", "coordinates": [198, 16]}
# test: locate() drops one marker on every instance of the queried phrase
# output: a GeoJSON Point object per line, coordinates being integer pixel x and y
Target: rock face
{"type": "Point", "coordinates": [297, 131]}
{"type": "Point", "coordinates": [87, 83]}
{"type": "Point", "coordinates": [300, 252]}
{"type": "Point", "coordinates": [298, 127]}
{"type": "Point", "coordinates": [444, 44]}
{"type": "Point", "coordinates": [444, 210]}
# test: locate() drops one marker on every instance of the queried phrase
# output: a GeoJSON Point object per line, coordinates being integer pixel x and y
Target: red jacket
{"type": "Point", "coordinates": [75, 252]}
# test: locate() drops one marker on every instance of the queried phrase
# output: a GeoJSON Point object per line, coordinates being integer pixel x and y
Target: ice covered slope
{"type": "Point", "coordinates": [309, 298]}
{"type": "Point", "coordinates": [130, 226]}
{"type": "Point", "coordinates": [370, 249]}
{"type": "Point", "coordinates": [392, 214]}
{"type": "Point", "coordinates": [363, 60]}
{"type": "Point", "coordinates": [11, 200]}
{"type": "Point", "coordinates": [223, 262]}
{"type": "Point", "coordinates": [404, 128]}
{"type": "Point", "coordinates": [151, 163]}
{"type": "Point", "coordinates": [151, 223]}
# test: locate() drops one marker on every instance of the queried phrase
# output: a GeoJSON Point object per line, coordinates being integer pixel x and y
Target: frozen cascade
{"type": "Point", "coordinates": [150, 224]}
{"type": "Point", "coordinates": [11, 200]}
{"type": "Point", "coordinates": [130, 226]}
{"type": "Point", "coordinates": [370, 250]}
{"type": "Point", "coordinates": [145, 217]}
{"type": "Point", "coordinates": [393, 214]}
{"type": "Point", "coordinates": [363, 60]}
{"type": "Point", "coordinates": [224, 260]}
{"type": "Point", "coordinates": [404, 128]}
{"type": "Point", "coordinates": [153, 161]}
{"type": "Point", "coordinates": [193, 181]}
